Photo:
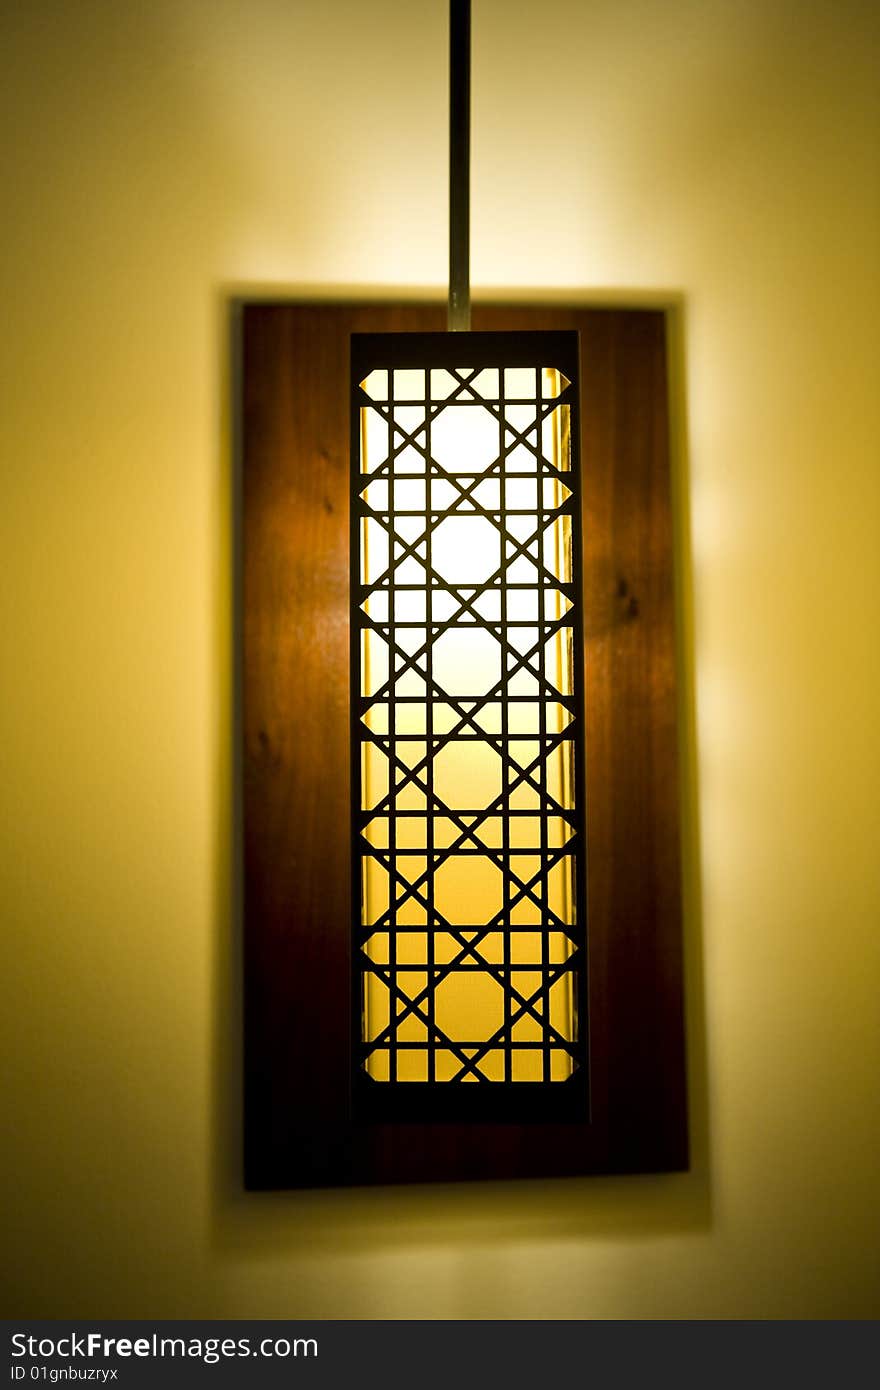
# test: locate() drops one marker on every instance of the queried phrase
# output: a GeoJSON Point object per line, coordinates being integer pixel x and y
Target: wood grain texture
{"type": "Point", "coordinates": [295, 683]}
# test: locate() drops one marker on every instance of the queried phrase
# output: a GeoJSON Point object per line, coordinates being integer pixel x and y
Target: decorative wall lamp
{"type": "Point", "coordinates": [431, 1015]}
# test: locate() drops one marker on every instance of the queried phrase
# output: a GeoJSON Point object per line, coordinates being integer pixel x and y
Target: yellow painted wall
{"type": "Point", "coordinates": [159, 157]}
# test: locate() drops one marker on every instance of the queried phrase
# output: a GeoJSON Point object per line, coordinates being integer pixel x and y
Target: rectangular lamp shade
{"type": "Point", "coordinates": [469, 951]}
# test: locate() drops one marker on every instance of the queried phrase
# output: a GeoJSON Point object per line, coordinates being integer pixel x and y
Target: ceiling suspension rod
{"type": "Point", "coordinates": [459, 313]}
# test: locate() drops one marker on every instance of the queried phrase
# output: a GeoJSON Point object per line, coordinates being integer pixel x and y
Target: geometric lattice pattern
{"type": "Point", "coordinates": [470, 939]}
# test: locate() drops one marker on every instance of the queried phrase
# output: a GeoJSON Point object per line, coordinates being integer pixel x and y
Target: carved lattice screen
{"type": "Point", "coordinates": [470, 931]}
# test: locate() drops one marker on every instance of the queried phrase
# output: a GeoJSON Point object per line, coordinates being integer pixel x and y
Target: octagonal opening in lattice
{"type": "Point", "coordinates": [467, 775]}
{"type": "Point", "coordinates": [469, 1006]}
{"type": "Point", "coordinates": [464, 439]}
{"type": "Point", "coordinates": [468, 890]}
{"type": "Point", "coordinates": [465, 550]}
{"type": "Point", "coordinates": [466, 661]}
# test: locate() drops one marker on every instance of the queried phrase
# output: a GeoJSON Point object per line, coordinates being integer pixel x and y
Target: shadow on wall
{"type": "Point", "coordinates": [573, 1209]}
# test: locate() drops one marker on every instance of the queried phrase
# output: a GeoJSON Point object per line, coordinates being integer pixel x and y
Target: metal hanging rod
{"type": "Point", "coordinates": [459, 314]}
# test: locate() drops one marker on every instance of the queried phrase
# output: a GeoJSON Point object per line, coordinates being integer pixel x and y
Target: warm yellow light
{"type": "Point", "coordinates": [466, 553]}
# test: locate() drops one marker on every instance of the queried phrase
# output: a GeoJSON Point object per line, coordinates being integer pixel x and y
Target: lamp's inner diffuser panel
{"type": "Point", "coordinates": [470, 940]}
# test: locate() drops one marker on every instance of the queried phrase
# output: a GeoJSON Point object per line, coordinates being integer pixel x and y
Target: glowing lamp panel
{"type": "Point", "coordinates": [470, 946]}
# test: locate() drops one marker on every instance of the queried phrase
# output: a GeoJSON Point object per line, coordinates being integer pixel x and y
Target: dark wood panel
{"type": "Point", "coordinates": [298, 1128]}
